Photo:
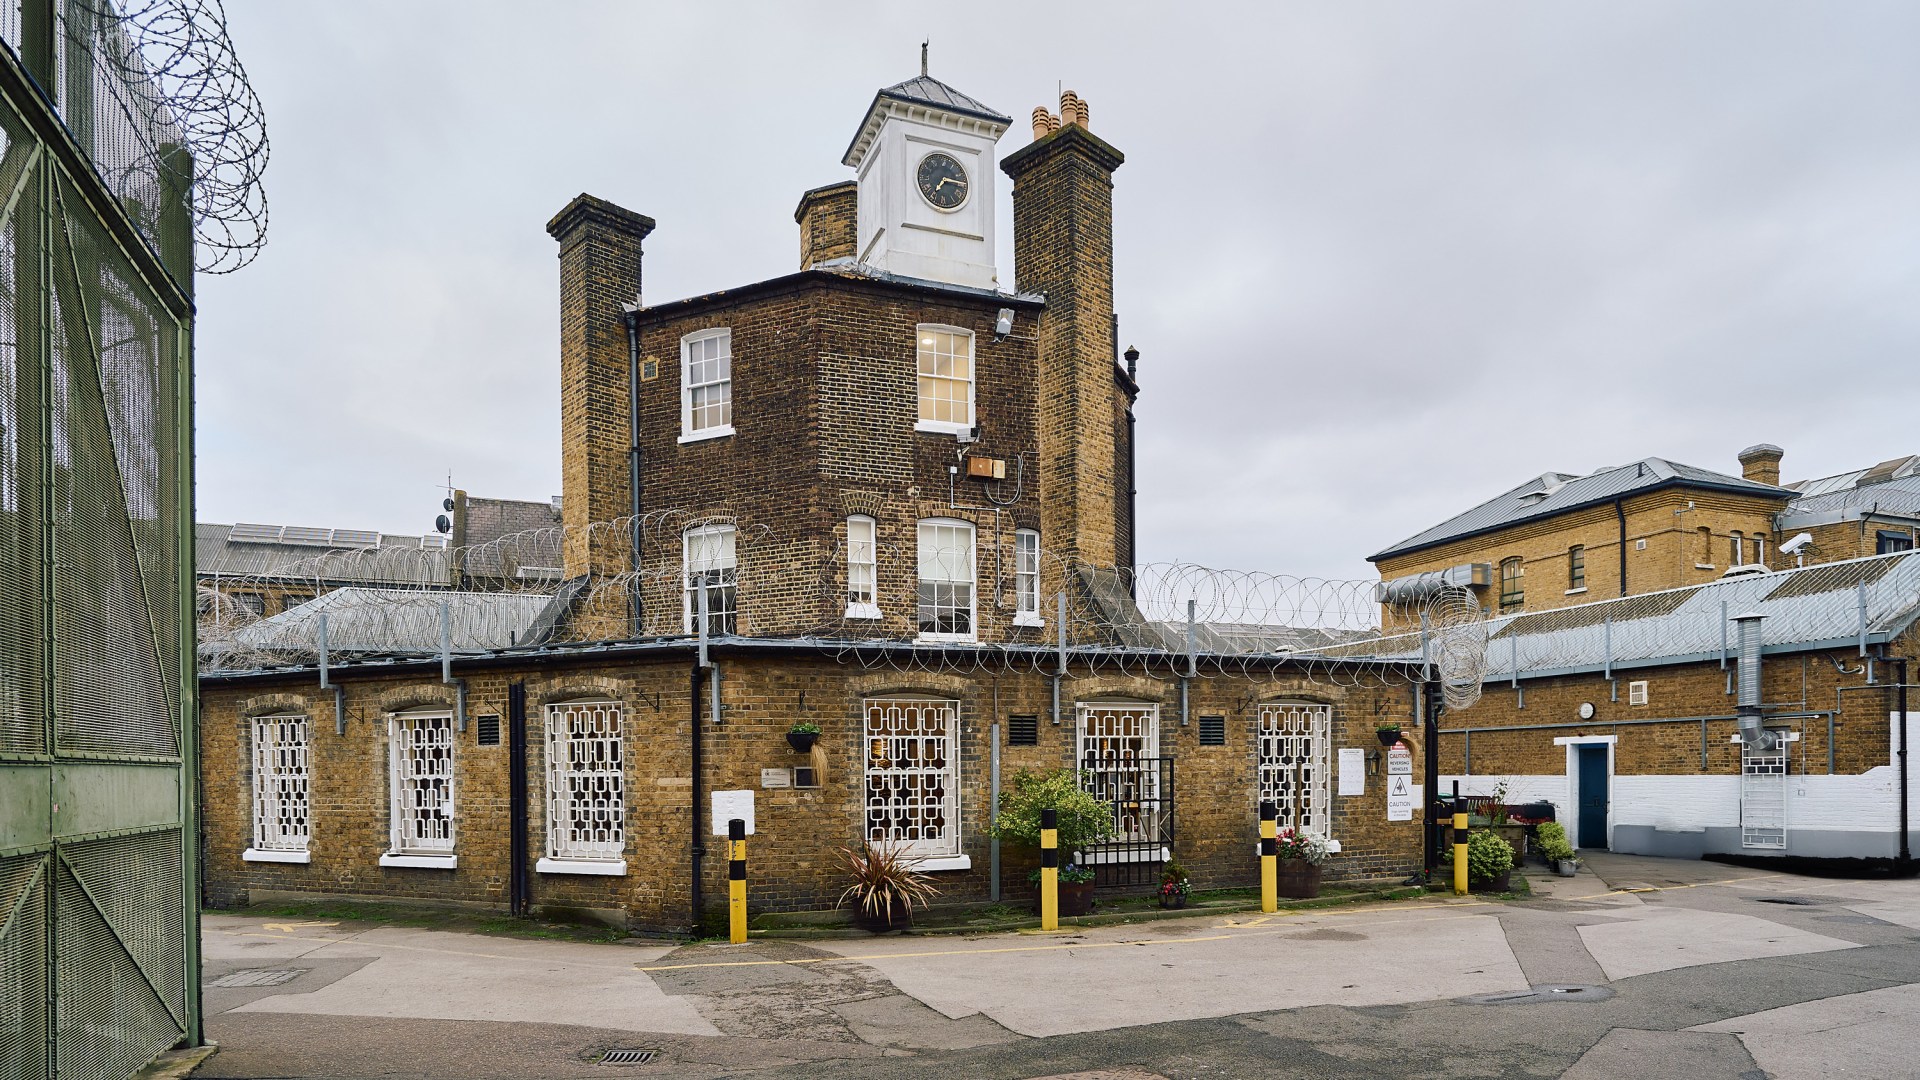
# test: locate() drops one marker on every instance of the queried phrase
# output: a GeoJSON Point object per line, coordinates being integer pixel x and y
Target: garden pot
{"type": "Point", "coordinates": [898, 917]}
{"type": "Point", "coordinates": [1503, 883]}
{"type": "Point", "coordinates": [1566, 867]}
{"type": "Point", "coordinates": [802, 741]}
{"type": "Point", "coordinates": [1075, 899]}
{"type": "Point", "coordinates": [1297, 879]}
{"type": "Point", "coordinates": [1388, 738]}
{"type": "Point", "coordinates": [1173, 901]}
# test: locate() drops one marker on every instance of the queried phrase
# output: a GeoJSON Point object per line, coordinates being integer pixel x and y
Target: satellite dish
{"type": "Point", "coordinates": [443, 523]}
{"type": "Point", "coordinates": [447, 505]}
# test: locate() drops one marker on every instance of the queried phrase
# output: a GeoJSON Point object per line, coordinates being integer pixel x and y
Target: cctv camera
{"type": "Point", "coordinates": [1003, 325]}
{"type": "Point", "coordinates": [1793, 546]}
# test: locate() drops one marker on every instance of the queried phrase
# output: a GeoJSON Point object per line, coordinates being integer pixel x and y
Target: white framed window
{"type": "Point", "coordinates": [282, 809]}
{"type": "Point", "coordinates": [1739, 549]}
{"type": "Point", "coordinates": [944, 361]}
{"type": "Point", "coordinates": [711, 564]}
{"type": "Point", "coordinates": [706, 385]}
{"type": "Point", "coordinates": [863, 568]}
{"type": "Point", "coordinates": [420, 789]}
{"type": "Point", "coordinates": [946, 596]}
{"type": "Point", "coordinates": [1294, 737]}
{"type": "Point", "coordinates": [913, 779]}
{"type": "Point", "coordinates": [1118, 751]}
{"type": "Point", "coordinates": [1026, 578]}
{"type": "Point", "coordinates": [586, 789]}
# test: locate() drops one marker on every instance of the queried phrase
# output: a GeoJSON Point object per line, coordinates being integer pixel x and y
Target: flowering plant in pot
{"type": "Point", "coordinates": [1076, 889]}
{"type": "Point", "coordinates": [884, 886]}
{"type": "Point", "coordinates": [1300, 854]}
{"type": "Point", "coordinates": [1174, 886]}
{"type": "Point", "coordinates": [803, 735]}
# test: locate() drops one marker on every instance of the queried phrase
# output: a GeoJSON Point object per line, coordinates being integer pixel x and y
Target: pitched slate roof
{"type": "Point", "coordinates": [329, 555]}
{"type": "Point", "coordinates": [1891, 488]}
{"type": "Point", "coordinates": [1556, 493]}
{"type": "Point", "coordinates": [920, 90]}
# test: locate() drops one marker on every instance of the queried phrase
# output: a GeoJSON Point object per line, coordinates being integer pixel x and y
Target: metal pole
{"type": "Point", "coordinates": [1049, 870]}
{"type": "Point", "coordinates": [1906, 854]}
{"type": "Point", "coordinates": [993, 813]}
{"type": "Point", "coordinates": [737, 881]}
{"type": "Point", "coordinates": [1459, 843]}
{"type": "Point", "coordinates": [1269, 857]}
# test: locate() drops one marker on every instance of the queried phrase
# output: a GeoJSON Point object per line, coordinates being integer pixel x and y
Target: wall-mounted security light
{"type": "Point", "coordinates": [1003, 325]}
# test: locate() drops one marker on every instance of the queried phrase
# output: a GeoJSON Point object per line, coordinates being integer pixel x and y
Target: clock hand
{"type": "Point", "coordinates": [945, 180]}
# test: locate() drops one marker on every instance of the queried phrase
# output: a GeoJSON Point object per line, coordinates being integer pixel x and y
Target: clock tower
{"type": "Point", "coordinates": [924, 161]}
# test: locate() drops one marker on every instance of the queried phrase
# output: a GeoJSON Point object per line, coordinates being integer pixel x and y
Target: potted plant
{"type": "Point", "coordinates": [884, 886]}
{"type": "Point", "coordinates": [1080, 822]}
{"type": "Point", "coordinates": [1388, 734]}
{"type": "Point", "coordinates": [1489, 862]}
{"type": "Point", "coordinates": [803, 735]}
{"type": "Point", "coordinates": [1557, 850]}
{"type": "Point", "coordinates": [1300, 855]}
{"type": "Point", "coordinates": [1076, 889]}
{"type": "Point", "coordinates": [1174, 886]}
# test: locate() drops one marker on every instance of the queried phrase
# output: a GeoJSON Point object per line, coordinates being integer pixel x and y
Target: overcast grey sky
{"type": "Point", "coordinates": [1382, 260]}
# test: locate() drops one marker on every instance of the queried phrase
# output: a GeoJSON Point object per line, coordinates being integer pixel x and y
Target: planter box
{"type": "Point", "coordinates": [1298, 879]}
{"type": "Point", "coordinates": [1074, 899]}
{"type": "Point", "coordinates": [1516, 838]}
{"type": "Point", "coordinates": [1503, 883]}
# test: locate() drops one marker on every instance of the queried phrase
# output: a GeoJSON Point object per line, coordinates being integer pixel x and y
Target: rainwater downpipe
{"type": "Point", "coordinates": [446, 668]}
{"type": "Point", "coordinates": [698, 851]}
{"type": "Point", "coordinates": [635, 599]}
{"type": "Point", "coordinates": [1900, 709]}
{"type": "Point", "coordinates": [1133, 476]}
{"type": "Point", "coordinates": [339, 692]}
{"type": "Point", "coordinates": [1060, 672]}
{"type": "Point", "coordinates": [1620, 511]}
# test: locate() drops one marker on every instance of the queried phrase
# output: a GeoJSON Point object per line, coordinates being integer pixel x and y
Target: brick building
{"type": "Point", "coordinates": [902, 494]}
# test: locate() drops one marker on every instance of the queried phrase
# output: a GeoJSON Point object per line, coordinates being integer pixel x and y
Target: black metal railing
{"type": "Point", "coordinates": [1141, 793]}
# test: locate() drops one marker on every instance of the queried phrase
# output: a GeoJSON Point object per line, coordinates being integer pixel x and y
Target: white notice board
{"type": "Point", "coordinates": [728, 805]}
{"type": "Point", "coordinates": [1353, 771]}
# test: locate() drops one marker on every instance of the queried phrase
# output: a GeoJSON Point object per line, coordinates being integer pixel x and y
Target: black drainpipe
{"type": "Point", "coordinates": [633, 462]}
{"type": "Point", "coordinates": [1621, 510]}
{"type": "Point", "coordinates": [1430, 700]}
{"type": "Point", "coordinates": [1133, 475]}
{"type": "Point", "coordinates": [519, 880]}
{"type": "Point", "coordinates": [699, 839]}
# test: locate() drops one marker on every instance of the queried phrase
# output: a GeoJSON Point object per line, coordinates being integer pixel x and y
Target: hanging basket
{"type": "Point", "coordinates": [1389, 737]}
{"type": "Point", "coordinates": [802, 741]}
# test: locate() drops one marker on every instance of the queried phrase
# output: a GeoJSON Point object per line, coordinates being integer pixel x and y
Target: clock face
{"type": "Point", "coordinates": [943, 182]}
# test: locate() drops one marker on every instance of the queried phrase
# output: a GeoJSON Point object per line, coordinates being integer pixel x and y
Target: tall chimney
{"type": "Point", "coordinates": [1063, 248]}
{"type": "Point", "coordinates": [599, 278]}
{"type": "Point", "coordinates": [829, 220]}
{"type": "Point", "coordinates": [1761, 464]}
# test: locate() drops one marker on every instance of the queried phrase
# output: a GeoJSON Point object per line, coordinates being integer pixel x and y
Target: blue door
{"type": "Point", "coordinates": [1593, 797]}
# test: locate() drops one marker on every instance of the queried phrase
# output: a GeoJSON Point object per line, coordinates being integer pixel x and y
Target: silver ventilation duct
{"type": "Point", "coordinates": [1753, 730]}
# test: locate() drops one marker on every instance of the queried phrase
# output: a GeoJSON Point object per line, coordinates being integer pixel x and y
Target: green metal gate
{"type": "Point", "coordinates": [98, 928]}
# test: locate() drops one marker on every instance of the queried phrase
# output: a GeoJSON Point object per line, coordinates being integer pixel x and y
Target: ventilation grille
{"type": "Point", "coordinates": [1213, 731]}
{"type": "Point", "coordinates": [487, 729]}
{"type": "Point", "coordinates": [628, 1057]}
{"type": "Point", "coordinates": [1023, 731]}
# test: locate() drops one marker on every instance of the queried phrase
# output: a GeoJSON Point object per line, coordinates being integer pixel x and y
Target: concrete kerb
{"type": "Point", "coordinates": [177, 1064]}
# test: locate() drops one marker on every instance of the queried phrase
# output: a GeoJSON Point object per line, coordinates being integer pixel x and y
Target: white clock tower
{"type": "Point", "coordinates": [924, 158]}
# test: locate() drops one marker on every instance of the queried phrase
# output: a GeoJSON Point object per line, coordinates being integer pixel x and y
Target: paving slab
{"type": "Point", "coordinates": [1664, 938]}
{"type": "Point", "coordinates": [1859, 1035]}
{"type": "Point", "coordinates": [1625, 1052]}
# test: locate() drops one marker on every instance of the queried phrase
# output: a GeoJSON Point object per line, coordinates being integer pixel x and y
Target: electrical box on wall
{"type": "Point", "coordinates": [987, 468]}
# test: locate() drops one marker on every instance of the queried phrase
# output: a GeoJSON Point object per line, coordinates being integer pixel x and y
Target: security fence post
{"type": "Point", "coordinates": [1459, 843]}
{"type": "Point", "coordinates": [1269, 857]}
{"type": "Point", "coordinates": [737, 881]}
{"type": "Point", "coordinates": [1049, 870]}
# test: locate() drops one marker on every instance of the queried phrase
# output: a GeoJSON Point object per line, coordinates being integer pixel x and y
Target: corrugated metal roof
{"type": "Point", "coordinates": [1804, 607]}
{"type": "Point", "coordinates": [398, 621]}
{"type": "Point", "coordinates": [1898, 498]}
{"type": "Point", "coordinates": [1557, 493]}
{"type": "Point", "coordinates": [400, 560]}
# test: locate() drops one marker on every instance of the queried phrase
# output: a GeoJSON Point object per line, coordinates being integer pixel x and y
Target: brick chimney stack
{"type": "Point", "coordinates": [1761, 464]}
{"type": "Point", "coordinates": [599, 278]}
{"type": "Point", "coordinates": [1063, 247]}
{"type": "Point", "coordinates": [829, 220]}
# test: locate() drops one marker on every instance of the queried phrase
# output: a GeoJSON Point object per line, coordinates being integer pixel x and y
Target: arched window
{"type": "Point", "coordinates": [1512, 593]}
{"type": "Point", "coordinates": [863, 565]}
{"type": "Point", "coordinates": [1706, 548]}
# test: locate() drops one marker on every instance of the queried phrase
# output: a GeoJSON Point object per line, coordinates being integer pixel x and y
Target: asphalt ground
{"type": "Point", "coordinates": [1638, 967]}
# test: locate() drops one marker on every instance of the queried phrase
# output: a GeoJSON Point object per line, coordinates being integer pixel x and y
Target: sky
{"type": "Point", "coordinates": [1383, 261]}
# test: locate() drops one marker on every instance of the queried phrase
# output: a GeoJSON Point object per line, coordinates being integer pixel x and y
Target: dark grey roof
{"type": "Point", "coordinates": [927, 90]}
{"type": "Point", "coordinates": [511, 538]}
{"type": "Point", "coordinates": [334, 556]}
{"type": "Point", "coordinates": [1556, 493]}
{"type": "Point", "coordinates": [1891, 498]}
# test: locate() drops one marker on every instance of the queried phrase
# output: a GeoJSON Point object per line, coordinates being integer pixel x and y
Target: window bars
{"type": "Point", "coordinates": [913, 775]}
{"type": "Point", "coordinates": [1119, 755]}
{"type": "Point", "coordinates": [586, 793]}
{"type": "Point", "coordinates": [1293, 763]}
{"type": "Point", "coordinates": [281, 820]}
{"type": "Point", "coordinates": [420, 750]}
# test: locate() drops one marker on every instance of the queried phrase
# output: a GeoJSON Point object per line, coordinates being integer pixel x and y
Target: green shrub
{"type": "Point", "coordinates": [804, 727]}
{"type": "Point", "coordinates": [1553, 841]}
{"type": "Point", "coordinates": [1082, 819]}
{"type": "Point", "coordinates": [1488, 856]}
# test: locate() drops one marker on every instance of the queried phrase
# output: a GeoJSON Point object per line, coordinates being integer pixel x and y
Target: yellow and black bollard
{"type": "Point", "coordinates": [1049, 870]}
{"type": "Point", "coordinates": [1269, 858]}
{"type": "Point", "coordinates": [1459, 843]}
{"type": "Point", "coordinates": [737, 881]}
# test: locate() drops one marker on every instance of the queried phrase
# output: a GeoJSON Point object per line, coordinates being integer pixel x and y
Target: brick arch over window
{"type": "Point", "coordinates": [419, 696]}
{"type": "Point", "coordinates": [1118, 687]}
{"type": "Point", "coordinates": [565, 688]}
{"type": "Point", "coordinates": [919, 684]}
{"type": "Point", "coordinates": [265, 704]}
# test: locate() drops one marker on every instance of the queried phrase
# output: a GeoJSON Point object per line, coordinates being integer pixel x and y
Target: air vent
{"type": "Point", "coordinates": [487, 729]}
{"type": "Point", "coordinates": [627, 1057]}
{"type": "Point", "coordinates": [1213, 731]}
{"type": "Point", "coordinates": [1637, 693]}
{"type": "Point", "coordinates": [1023, 731]}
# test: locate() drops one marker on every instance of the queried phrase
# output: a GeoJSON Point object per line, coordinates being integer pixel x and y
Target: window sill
{"type": "Point", "coordinates": [1576, 592]}
{"type": "Point", "coordinates": [944, 862]}
{"type": "Point", "coordinates": [941, 427]}
{"type": "Point", "coordinates": [720, 432]}
{"type": "Point", "coordinates": [423, 862]}
{"type": "Point", "coordinates": [263, 855]}
{"type": "Point", "coordinates": [863, 611]}
{"type": "Point", "coordinates": [1028, 619]}
{"type": "Point", "coordinates": [946, 639]}
{"type": "Point", "coordinates": [601, 867]}
{"type": "Point", "coordinates": [1703, 566]}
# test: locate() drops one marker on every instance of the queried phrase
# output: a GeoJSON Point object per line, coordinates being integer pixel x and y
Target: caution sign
{"type": "Point", "coordinates": [1400, 784]}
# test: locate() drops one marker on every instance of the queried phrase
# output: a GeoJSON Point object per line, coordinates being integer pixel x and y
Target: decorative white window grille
{"type": "Point", "coordinates": [946, 611]}
{"type": "Point", "coordinates": [586, 781]}
{"type": "Point", "coordinates": [944, 359]}
{"type": "Point", "coordinates": [1026, 577]}
{"type": "Point", "coordinates": [706, 385]}
{"type": "Point", "coordinates": [281, 809]}
{"type": "Point", "coordinates": [711, 564]}
{"type": "Point", "coordinates": [863, 566]}
{"type": "Point", "coordinates": [1294, 738]}
{"type": "Point", "coordinates": [1763, 796]}
{"type": "Point", "coordinates": [1119, 757]}
{"type": "Point", "coordinates": [420, 755]}
{"type": "Point", "coordinates": [913, 775]}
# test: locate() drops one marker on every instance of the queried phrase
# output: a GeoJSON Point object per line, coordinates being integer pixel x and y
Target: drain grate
{"type": "Point", "coordinates": [1542, 994]}
{"type": "Point", "coordinates": [260, 977]}
{"type": "Point", "coordinates": [628, 1057]}
{"type": "Point", "coordinates": [1794, 901]}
